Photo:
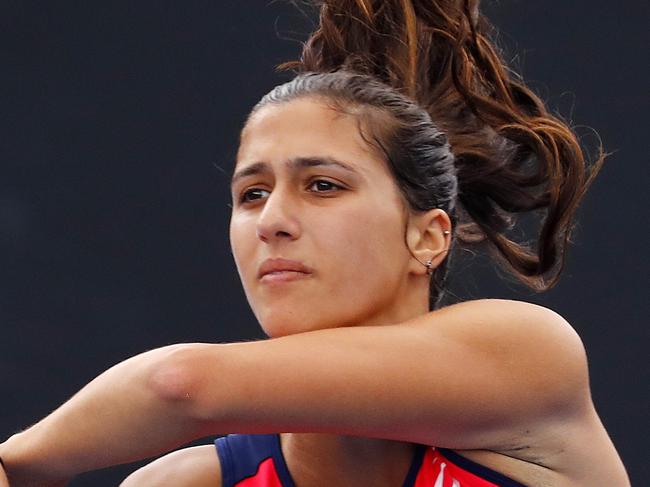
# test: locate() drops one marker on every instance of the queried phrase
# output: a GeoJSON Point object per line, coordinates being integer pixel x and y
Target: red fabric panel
{"type": "Point", "coordinates": [266, 476]}
{"type": "Point", "coordinates": [437, 471]}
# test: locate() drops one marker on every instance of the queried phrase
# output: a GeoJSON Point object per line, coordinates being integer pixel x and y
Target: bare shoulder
{"type": "Point", "coordinates": [513, 314]}
{"type": "Point", "coordinates": [526, 338]}
{"type": "Point", "coordinates": [197, 467]}
{"type": "Point", "coordinates": [547, 354]}
{"type": "Point", "coordinates": [510, 322]}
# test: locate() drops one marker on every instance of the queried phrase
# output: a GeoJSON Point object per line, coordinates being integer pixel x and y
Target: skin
{"type": "Point", "coordinates": [356, 367]}
{"type": "Point", "coordinates": [323, 216]}
{"type": "Point", "coordinates": [277, 213]}
{"type": "Point", "coordinates": [3, 478]}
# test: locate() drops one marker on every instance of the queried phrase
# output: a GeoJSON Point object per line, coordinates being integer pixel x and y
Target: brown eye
{"type": "Point", "coordinates": [324, 186]}
{"type": "Point", "coordinates": [253, 194]}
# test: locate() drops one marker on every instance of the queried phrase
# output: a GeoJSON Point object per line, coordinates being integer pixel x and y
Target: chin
{"type": "Point", "coordinates": [283, 323]}
{"type": "Point", "coordinates": [276, 328]}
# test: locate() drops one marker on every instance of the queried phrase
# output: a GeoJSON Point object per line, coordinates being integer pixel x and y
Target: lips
{"type": "Point", "coordinates": [283, 267]}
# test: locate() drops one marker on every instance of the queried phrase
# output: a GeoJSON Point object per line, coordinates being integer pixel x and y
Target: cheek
{"type": "Point", "coordinates": [243, 239]}
{"type": "Point", "coordinates": [358, 252]}
{"type": "Point", "coordinates": [367, 251]}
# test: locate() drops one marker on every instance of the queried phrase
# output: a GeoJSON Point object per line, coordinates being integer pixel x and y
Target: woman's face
{"type": "Point", "coordinates": [317, 227]}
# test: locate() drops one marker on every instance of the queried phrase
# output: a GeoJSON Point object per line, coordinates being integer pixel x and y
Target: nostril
{"type": "Point", "coordinates": [261, 235]}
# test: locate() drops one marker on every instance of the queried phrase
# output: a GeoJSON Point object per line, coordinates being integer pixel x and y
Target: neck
{"type": "Point", "coordinates": [316, 459]}
{"type": "Point", "coordinates": [410, 301]}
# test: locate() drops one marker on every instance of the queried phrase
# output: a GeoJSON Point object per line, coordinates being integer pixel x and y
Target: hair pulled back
{"type": "Point", "coordinates": [512, 157]}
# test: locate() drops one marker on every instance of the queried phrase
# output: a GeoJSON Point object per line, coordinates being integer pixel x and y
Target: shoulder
{"type": "Point", "coordinates": [548, 373]}
{"type": "Point", "coordinates": [509, 309]}
{"type": "Point", "coordinates": [533, 348]}
{"type": "Point", "coordinates": [512, 322]}
{"type": "Point", "coordinates": [196, 467]}
{"type": "Point", "coordinates": [533, 324]}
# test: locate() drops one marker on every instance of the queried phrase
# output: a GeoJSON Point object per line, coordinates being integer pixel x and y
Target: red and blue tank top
{"type": "Point", "coordinates": [257, 461]}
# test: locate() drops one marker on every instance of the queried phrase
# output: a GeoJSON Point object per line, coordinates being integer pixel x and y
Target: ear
{"type": "Point", "coordinates": [428, 236]}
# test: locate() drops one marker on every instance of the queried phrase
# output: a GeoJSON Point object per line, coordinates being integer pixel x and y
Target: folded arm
{"type": "Point", "coordinates": [469, 376]}
{"type": "Point", "coordinates": [118, 417]}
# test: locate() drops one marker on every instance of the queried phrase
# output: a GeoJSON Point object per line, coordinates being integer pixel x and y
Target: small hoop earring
{"type": "Point", "coordinates": [429, 263]}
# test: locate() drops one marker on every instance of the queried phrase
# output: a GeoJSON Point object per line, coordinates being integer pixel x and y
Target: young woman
{"type": "Point", "coordinates": [403, 137]}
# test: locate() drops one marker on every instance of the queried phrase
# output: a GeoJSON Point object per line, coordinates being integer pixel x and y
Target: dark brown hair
{"type": "Point", "coordinates": [511, 156]}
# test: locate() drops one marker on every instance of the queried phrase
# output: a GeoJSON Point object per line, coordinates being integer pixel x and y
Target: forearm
{"type": "Point", "coordinates": [125, 414]}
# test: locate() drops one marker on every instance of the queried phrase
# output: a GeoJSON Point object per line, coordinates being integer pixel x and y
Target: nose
{"type": "Point", "coordinates": [278, 219]}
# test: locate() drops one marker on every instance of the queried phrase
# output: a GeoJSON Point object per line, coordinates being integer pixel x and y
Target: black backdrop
{"type": "Point", "coordinates": [118, 126]}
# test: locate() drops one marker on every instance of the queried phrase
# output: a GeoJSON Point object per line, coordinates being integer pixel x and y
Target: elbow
{"type": "Point", "coordinates": [188, 377]}
{"type": "Point", "coordinates": [176, 376]}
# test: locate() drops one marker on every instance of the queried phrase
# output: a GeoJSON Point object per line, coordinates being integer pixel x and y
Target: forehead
{"type": "Point", "coordinates": [306, 127]}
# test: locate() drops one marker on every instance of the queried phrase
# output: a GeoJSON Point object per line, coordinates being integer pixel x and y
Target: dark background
{"type": "Point", "coordinates": [118, 127]}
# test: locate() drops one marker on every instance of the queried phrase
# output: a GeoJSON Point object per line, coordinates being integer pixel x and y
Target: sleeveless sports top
{"type": "Point", "coordinates": [257, 461]}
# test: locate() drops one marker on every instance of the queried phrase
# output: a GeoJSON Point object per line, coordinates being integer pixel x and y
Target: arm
{"type": "Point", "coordinates": [466, 376]}
{"type": "Point", "coordinates": [116, 418]}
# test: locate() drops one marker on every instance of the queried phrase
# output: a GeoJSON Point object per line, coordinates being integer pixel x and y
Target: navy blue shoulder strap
{"type": "Point", "coordinates": [414, 469]}
{"type": "Point", "coordinates": [241, 456]}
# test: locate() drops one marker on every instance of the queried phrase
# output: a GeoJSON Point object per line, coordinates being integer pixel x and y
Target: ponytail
{"type": "Point", "coordinates": [512, 157]}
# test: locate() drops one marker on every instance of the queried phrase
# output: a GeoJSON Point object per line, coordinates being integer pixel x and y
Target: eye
{"type": "Point", "coordinates": [324, 186]}
{"type": "Point", "coordinates": [253, 194]}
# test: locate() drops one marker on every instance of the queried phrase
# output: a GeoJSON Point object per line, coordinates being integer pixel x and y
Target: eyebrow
{"type": "Point", "coordinates": [294, 164]}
